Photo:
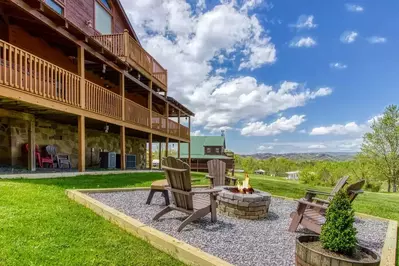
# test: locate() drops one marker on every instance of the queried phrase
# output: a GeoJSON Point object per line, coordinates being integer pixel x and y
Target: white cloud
{"type": "Point", "coordinates": [376, 39]}
{"type": "Point", "coordinates": [304, 22]}
{"type": "Point", "coordinates": [201, 5]}
{"type": "Point", "coordinates": [250, 5]}
{"type": "Point", "coordinates": [354, 8]}
{"type": "Point", "coordinates": [338, 65]}
{"type": "Point", "coordinates": [317, 146]}
{"type": "Point", "coordinates": [196, 133]}
{"type": "Point", "coordinates": [224, 103]}
{"type": "Point", "coordinates": [303, 42]}
{"type": "Point", "coordinates": [191, 44]}
{"type": "Point", "coordinates": [221, 71]}
{"type": "Point", "coordinates": [264, 148]}
{"type": "Point", "coordinates": [348, 36]}
{"type": "Point", "coordinates": [282, 124]}
{"type": "Point", "coordinates": [337, 129]}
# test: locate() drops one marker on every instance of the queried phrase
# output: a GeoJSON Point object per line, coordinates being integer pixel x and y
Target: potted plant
{"type": "Point", "coordinates": [337, 244]}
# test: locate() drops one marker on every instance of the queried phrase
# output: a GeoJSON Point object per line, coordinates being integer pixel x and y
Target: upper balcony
{"type": "Point", "coordinates": [33, 76]}
{"type": "Point", "coordinates": [127, 48]}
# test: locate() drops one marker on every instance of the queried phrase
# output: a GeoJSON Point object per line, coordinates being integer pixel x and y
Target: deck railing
{"type": "Point", "coordinates": [184, 132]}
{"type": "Point", "coordinates": [159, 122]}
{"type": "Point", "coordinates": [124, 45]}
{"type": "Point", "coordinates": [137, 114]}
{"type": "Point", "coordinates": [24, 71]}
{"type": "Point", "coordinates": [173, 128]}
{"type": "Point", "coordinates": [103, 101]}
{"type": "Point", "coordinates": [31, 74]}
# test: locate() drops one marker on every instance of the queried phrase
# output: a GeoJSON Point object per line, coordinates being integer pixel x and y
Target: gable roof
{"type": "Point", "coordinates": [119, 4]}
{"type": "Point", "coordinates": [197, 147]}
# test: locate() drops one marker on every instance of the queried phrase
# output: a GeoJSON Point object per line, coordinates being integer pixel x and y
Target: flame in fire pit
{"type": "Point", "coordinates": [245, 187]}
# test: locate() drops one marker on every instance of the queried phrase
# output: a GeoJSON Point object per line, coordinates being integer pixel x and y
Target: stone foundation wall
{"type": "Point", "coordinates": [14, 134]}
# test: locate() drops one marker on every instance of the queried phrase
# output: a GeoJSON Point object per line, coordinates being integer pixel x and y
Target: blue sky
{"type": "Point", "coordinates": [278, 76]}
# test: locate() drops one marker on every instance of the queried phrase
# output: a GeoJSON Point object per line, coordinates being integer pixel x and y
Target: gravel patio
{"type": "Point", "coordinates": [238, 241]}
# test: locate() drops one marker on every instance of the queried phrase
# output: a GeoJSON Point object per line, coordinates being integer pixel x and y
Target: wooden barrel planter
{"type": "Point", "coordinates": [304, 256]}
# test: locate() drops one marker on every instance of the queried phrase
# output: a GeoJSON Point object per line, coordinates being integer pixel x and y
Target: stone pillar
{"type": "Point", "coordinates": [123, 148]}
{"type": "Point", "coordinates": [82, 144]}
{"type": "Point", "coordinates": [32, 145]}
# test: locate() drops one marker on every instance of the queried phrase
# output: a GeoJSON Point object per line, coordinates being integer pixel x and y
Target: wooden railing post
{"type": "Point", "coordinates": [167, 117]}
{"type": "Point", "coordinates": [150, 102]}
{"type": "Point", "coordinates": [167, 147]}
{"type": "Point", "coordinates": [81, 72]}
{"type": "Point", "coordinates": [126, 43]}
{"type": "Point", "coordinates": [122, 92]}
{"type": "Point", "coordinates": [178, 121]}
{"type": "Point", "coordinates": [178, 149]}
{"type": "Point", "coordinates": [189, 142]}
{"type": "Point", "coordinates": [82, 143]}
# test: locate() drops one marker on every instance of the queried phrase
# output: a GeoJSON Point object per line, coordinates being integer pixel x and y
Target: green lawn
{"type": "Point", "coordinates": [39, 225]}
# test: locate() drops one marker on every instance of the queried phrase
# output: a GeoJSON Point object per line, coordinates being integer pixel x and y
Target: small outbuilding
{"type": "Point", "coordinates": [260, 172]}
{"type": "Point", "coordinates": [294, 175]}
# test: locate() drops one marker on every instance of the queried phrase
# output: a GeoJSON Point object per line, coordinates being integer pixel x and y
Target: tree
{"type": "Point", "coordinates": [338, 233]}
{"type": "Point", "coordinates": [381, 146]}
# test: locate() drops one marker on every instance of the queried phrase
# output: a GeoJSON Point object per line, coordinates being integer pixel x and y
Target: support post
{"type": "Point", "coordinates": [167, 117]}
{"type": "Point", "coordinates": [167, 147]}
{"type": "Point", "coordinates": [122, 93]}
{"type": "Point", "coordinates": [123, 148]}
{"type": "Point", "coordinates": [150, 151]}
{"type": "Point", "coordinates": [82, 143]}
{"type": "Point", "coordinates": [150, 102]}
{"type": "Point", "coordinates": [178, 121]}
{"type": "Point", "coordinates": [178, 149]}
{"type": "Point", "coordinates": [32, 147]}
{"type": "Point", "coordinates": [189, 142]}
{"type": "Point", "coordinates": [126, 43]}
{"type": "Point", "coordinates": [81, 72]}
{"type": "Point", "coordinates": [160, 155]}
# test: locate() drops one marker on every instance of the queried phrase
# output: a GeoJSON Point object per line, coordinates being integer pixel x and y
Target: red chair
{"type": "Point", "coordinates": [39, 159]}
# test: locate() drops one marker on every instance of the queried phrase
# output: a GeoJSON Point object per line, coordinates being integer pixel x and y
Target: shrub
{"type": "Point", "coordinates": [338, 233]}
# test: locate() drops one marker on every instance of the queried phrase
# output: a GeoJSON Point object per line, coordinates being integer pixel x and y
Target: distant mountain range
{"type": "Point", "coordinates": [313, 156]}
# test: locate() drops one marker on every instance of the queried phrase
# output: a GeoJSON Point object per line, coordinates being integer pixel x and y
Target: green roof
{"type": "Point", "coordinates": [197, 147]}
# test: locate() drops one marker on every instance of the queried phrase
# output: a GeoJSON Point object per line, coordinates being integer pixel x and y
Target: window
{"type": "Point", "coordinates": [217, 150]}
{"type": "Point", "coordinates": [208, 150]}
{"type": "Point", "coordinates": [103, 19]}
{"type": "Point", "coordinates": [54, 5]}
{"type": "Point", "coordinates": [106, 4]}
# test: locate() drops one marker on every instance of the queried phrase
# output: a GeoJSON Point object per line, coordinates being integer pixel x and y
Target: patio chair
{"type": "Point", "coordinates": [60, 159]}
{"type": "Point", "coordinates": [310, 194]}
{"type": "Point", "coordinates": [40, 160]}
{"type": "Point", "coordinates": [184, 199]}
{"type": "Point", "coordinates": [312, 215]}
{"type": "Point", "coordinates": [217, 174]}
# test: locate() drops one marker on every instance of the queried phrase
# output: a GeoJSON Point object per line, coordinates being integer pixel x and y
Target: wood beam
{"type": "Point", "coordinates": [150, 151]}
{"type": "Point", "coordinates": [32, 145]}
{"type": "Point", "coordinates": [189, 142]}
{"type": "Point", "coordinates": [122, 93]}
{"type": "Point", "coordinates": [82, 144]}
{"type": "Point", "coordinates": [178, 149]}
{"type": "Point", "coordinates": [150, 102]}
{"type": "Point", "coordinates": [61, 30]}
{"type": "Point", "coordinates": [123, 148]}
{"type": "Point", "coordinates": [167, 117]}
{"type": "Point", "coordinates": [167, 147]}
{"type": "Point", "coordinates": [160, 155]}
{"type": "Point", "coordinates": [178, 121]}
{"type": "Point", "coordinates": [81, 72]}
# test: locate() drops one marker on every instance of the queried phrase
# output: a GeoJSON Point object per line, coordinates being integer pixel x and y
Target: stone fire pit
{"type": "Point", "coordinates": [247, 206]}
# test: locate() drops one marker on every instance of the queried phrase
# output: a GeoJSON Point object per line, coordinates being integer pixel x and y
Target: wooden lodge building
{"type": "Point", "coordinates": [73, 74]}
{"type": "Point", "coordinates": [205, 148]}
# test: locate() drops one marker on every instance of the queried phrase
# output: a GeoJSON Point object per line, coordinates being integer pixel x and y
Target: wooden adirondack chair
{"type": "Point", "coordinates": [60, 159]}
{"type": "Point", "coordinates": [310, 194]}
{"type": "Point", "coordinates": [312, 215]}
{"type": "Point", "coordinates": [217, 174]}
{"type": "Point", "coordinates": [178, 175]}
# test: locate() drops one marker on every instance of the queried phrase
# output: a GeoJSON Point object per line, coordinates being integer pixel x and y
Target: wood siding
{"type": "Point", "coordinates": [80, 11]}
